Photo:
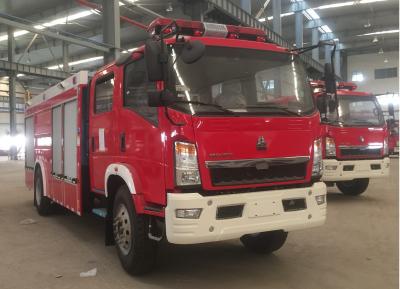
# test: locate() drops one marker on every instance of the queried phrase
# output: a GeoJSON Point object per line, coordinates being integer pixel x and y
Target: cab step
{"type": "Point", "coordinates": [101, 212]}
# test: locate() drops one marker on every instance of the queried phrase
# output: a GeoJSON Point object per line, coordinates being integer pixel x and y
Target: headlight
{"type": "Point", "coordinates": [330, 147]}
{"type": "Point", "coordinates": [317, 159]}
{"type": "Point", "coordinates": [186, 166]}
{"type": "Point", "coordinates": [385, 147]}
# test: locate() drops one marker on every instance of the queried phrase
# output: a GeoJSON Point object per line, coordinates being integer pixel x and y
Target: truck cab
{"type": "Point", "coordinates": [205, 133]}
{"type": "Point", "coordinates": [355, 146]}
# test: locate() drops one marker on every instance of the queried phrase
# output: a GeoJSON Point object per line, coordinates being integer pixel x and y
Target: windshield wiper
{"type": "Point", "coordinates": [276, 107]}
{"type": "Point", "coordinates": [205, 104]}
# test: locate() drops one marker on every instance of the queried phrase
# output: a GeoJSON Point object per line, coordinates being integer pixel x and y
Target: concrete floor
{"type": "Point", "coordinates": [357, 248]}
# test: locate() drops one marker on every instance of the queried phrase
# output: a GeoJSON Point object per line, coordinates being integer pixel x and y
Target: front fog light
{"type": "Point", "coordinates": [330, 167]}
{"type": "Point", "coordinates": [188, 213]}
{"type": "Point", "coordinates": [320, 199]}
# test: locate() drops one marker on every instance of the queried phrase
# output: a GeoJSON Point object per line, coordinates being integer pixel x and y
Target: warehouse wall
{"type": "Point", "coordinates": [366, 64]}
{"type": "Point", "coordinates": [5, 123]}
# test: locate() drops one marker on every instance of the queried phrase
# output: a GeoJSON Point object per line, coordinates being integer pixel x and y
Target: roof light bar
{"type": "Point", "coordinates": [198, 29]}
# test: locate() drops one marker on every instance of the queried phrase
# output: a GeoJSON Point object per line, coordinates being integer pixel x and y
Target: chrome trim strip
{"type": "Point", "coordinates": [254, 162]}
{"type": "Point", "coordinates": [365, 147]}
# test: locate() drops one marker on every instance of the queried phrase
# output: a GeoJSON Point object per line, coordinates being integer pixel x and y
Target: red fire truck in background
{"type": "Point", "coordinates": [206, 133]}
{"type": "Point", "coordinates": [393, 126]}
{"type": "Point", "coordinates": [355, 146]}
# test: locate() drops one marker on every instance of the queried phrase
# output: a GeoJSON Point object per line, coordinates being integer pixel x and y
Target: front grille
{"type": "Point", "coordinates": [258, 174]}
{"type": "Point", "coordinates": [360, 152]}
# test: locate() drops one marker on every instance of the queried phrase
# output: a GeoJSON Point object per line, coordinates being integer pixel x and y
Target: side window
{"type": "Point", "coordinates": [136, 89]}
{"type": "Point", "coordinates": [104, 92]}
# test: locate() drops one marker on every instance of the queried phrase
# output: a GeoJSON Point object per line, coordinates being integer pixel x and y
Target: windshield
{"type": "Point", "coordinates": [242, 81]}
{"type": "Point", "coordinates": [359, 111]}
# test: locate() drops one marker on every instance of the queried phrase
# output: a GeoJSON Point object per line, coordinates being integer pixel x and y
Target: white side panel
{"type": "Point", "coordinates": [57, 140]}
{"type": "Point", "coordinates": [70, 139]}
{"type": "Point", "coordinates": [29, 143]}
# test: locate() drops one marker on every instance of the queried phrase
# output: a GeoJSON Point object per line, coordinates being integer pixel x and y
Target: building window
{"type": "Point", "coordinates": [381, 73]}
{"type": "Point", "coordinates": [357, 76]}
{"type": "Point", "coordinates": [104, 94]}
{"type": "Point", "coordinates": [136, 90]}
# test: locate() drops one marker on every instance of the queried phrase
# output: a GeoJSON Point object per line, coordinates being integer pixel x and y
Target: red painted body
{"type": "Point", "coordinates": [149, 150]}
{"type": "Point", "coordinates": [65, 193]}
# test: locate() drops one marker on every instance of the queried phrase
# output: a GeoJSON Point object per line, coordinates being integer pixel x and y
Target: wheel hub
{"type": "Point", "coordinates": [122, 229]}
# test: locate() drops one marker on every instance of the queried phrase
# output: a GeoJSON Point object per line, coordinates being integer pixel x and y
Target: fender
{"type": "Point", "coordinates": [44, 175]}
{"type": "Point", "coordinates": [124, 172]}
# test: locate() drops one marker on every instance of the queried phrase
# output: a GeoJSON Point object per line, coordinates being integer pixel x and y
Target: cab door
{"type": "Point", "coordinates": [143, 142]}
{"type": "Point", "coordinates": [102, 131]}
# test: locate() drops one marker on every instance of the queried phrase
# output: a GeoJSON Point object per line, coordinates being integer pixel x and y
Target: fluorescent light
{"type": "Point", "coordinates": [326, 28]}
{"type": "Point", "coordinates": [81, 61]}
{"type": "Point", "coordinates": [272, 17]}
{"type": "Point", "coordinates": [380, 32]}
{"type": "Point", "coordinates": [335, 5]}
{"type": "Point", "coordinates": [307, 15]}
{"type": "Point", "coordinates": [370, 1]}
{"type": "Point", "coordinates": [311, 12]}
{"type": "Point", "coordinates": [58, 21]}
{"type": "Point", "coordinates": [347, 3]}
{"type": "Point", "coordinates": [20, 74]}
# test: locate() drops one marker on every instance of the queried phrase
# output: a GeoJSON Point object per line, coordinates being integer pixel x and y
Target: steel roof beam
{"type": "Point", "coordinates": [13, 21]}
{"type": "Point", "coordinates": [32, 70]}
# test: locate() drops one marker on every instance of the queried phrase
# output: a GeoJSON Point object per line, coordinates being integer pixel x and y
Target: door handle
{"type": "Point", "coordinates": [122, 143]}
{"type": "Point", "coordinates": [92, 144]}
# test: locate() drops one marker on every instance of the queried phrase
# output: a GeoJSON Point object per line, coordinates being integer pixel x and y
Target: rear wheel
{"type": "Point", "coordinates": [42, 203]}
{"type": "Point", "coordinates": [265, 242]}
{"type": "Point", "coordinates": [354, 187]}
{"type": "Point", "coordinates": [136, 251]}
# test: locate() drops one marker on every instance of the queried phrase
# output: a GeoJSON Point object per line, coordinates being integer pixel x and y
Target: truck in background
{"type": "Point", "coordinates": [393, 126]}
{"type": "Point", "coordinates": [355, 146]}
{"type": "Point", "coordinates": [206, 133]}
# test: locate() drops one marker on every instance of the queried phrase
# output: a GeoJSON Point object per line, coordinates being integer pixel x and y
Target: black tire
{"type": "Point", "coordinates": [354, 187]}
{"type": "Point", "coordinates": [265, 242]}
{"type": "Point", "coordinates": [42, 203]}
{"type": "Point", "coordinates": [136, 251]}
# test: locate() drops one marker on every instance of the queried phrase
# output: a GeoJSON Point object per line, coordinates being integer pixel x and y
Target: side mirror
{"type": "Point", "coordinates": [321, 104]}
{"type": "Point", "coordinates": [152, 52]}
{"type": "Point", "coordinates": [391, 109]}
{"type": "Point", "coordinates": [192, 51]}
{"type": "Point", "coordinates": [330, 81]}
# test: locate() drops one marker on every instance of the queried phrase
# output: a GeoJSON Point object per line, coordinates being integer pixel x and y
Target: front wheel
{"type": "Point", "coordinates": [354, 187]}
{"type": "Point", "coordinates": [136, 251]}
{"type": "Point", "coordinates": [42, 203]}
{"type": "Point", "coordinates": [265, 242]}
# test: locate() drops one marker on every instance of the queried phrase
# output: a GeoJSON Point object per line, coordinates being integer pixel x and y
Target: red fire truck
{"type": "Point", "coordinates": [206, 133]}
{"type": "Point", "coordinates": [355, 146]}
